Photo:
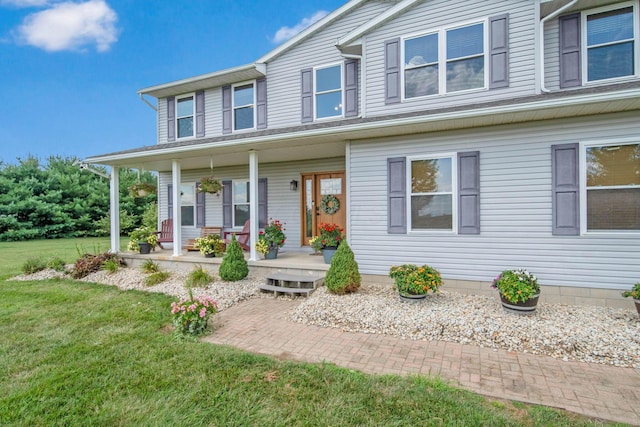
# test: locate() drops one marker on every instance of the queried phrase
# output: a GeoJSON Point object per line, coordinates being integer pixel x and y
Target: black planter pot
{"type": "Point", "coordinates": [412, 298]}
{"type": "Point", "coordinates": [210, 255]}
{"type": "Point", "coordinates": [145, 247]}
{"type": "Point", "coordinates": [525, 307]}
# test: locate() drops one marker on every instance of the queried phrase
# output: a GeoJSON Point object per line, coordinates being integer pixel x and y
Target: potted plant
{"type": "Point", "coordinates": [209, 245]}
{"type": "Point", "coordinates": [635, 294]}
{"type": "Point", "coordinates": [330, 238]}
{"type": "Point", "coordinates": [316, 245]}
{"type": "Point", "coordinates": [273, 237]}
{"type": "Point", "coordinates": [413, 282]}
{"type": "Point", "coordinates": [143, 239]}
{"type": "Point", "coordinates": [211, 185]}
{"type": "Point", "coordinates": [141, 189]}
{"type": "Point", "coordinates": [519, 290]}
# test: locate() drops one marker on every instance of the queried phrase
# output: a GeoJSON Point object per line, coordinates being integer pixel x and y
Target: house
{"type": "Point", "coordinates": [472, 136]}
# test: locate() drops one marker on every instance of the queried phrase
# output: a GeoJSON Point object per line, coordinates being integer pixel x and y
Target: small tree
{"type": "Point", "coordinates": [343, 276]}
{"type": "Point", "coordinates": [233, 266]}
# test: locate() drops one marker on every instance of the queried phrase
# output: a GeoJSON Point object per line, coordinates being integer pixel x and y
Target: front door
{"type": "Point", "coordinates": [323, 200]}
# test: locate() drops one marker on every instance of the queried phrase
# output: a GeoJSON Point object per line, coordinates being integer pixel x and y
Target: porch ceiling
{"type": "Point", "coordinates": [328, 139]}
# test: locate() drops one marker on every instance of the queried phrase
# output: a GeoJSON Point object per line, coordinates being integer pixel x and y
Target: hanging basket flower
{"type": "Point", "coordinates": [211, 185]}
{"type": "Point", "coordinates": [142, 189]}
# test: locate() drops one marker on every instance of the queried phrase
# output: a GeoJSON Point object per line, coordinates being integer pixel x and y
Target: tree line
{"type": "Point", "coordinates": [56, 199]}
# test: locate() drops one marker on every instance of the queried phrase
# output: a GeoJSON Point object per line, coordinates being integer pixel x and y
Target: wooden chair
{"type": "Point", "coordinates": [165, 235]}
{"type": "Point", "coordinates": [243, 237]}
{"type": "Point", "coordinates": [190, 244]}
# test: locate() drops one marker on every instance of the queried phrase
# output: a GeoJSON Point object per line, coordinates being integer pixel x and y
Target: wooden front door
{"type": "Point", "coordinates": [315, 188]}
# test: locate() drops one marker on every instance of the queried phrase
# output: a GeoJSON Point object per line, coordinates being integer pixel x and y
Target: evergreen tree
{"type": "Point", "coordinates": [343, 276]}
{"type": "Point", "coordinates": [233, 266]}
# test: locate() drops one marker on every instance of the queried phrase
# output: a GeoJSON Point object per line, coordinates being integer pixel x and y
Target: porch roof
{"type": "Point", "coordinates": [328, 139]}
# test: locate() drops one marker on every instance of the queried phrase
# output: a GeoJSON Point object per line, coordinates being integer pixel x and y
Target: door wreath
{"type": "Point", "coordinates": [330, 204]}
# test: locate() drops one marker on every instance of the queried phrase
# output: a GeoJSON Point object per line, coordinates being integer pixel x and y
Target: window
{"type": "Point", "coordinates": [240, 203]}
{"type": "Point", "coordinates": [243, 107]}
{"type": "Point", "coordinates": [431, 201]}
{"type": "Point", "coordinates": [610, 43]}
{"type": "Point", "coordinates": [449, 60]}
{"type": "Point", "coordinates": [184, 116]}
{"type": "Point", "coordinates": [188, 204]}
{"type": "Point", "coordinates": [613, 187]}
{"type": "Point", "coordinates": [328, 91]}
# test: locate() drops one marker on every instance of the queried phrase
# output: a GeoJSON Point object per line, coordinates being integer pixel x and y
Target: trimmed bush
{"type": "Point", "coordinates": [343, 276]}
{"type": "Point", "coordinates": [233, 266]}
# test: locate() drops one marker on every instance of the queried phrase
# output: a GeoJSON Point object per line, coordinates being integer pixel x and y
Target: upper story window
{"type": "Point", "coordinates": [185, 111]}
{"type": "Point", "coordinates": [612, 187]}
{"type": "Point", "coordinates": [610, 43]}
{"type": "Point", "coordinates": [328, 91]}
{"type": "Point", "coordinates": [431, 184]}
{"type": "Point", "coordinates": [243, 107]}
{"type": "Point", "coordinates": [445, 61]}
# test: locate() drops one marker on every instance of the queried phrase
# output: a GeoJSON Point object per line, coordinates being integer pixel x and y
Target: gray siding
{"type": "Point", "coordinates": [431, 15]}
{"type": "Point", "coordinates": [282, 203]}
{"type": "Point", "coordinates": [515, 209]}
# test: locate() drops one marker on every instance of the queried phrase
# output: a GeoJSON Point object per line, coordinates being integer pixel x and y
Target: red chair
{"type": "Point", "coordinates": [165, 235]}
{"type": "Point", "coordinates": [243, 237]}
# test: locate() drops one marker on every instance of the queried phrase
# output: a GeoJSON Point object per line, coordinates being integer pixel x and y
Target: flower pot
{"type": "Point", "coordinates": [272, 254]}
{"type": "Point", "coordinates": [412, 298]}
{"type": "Point", "coordinates": [525, 307]}
{"type": "Point", "coordinates": [210, 255]}
{"type": "Point", "coordinates": [145, 247]}
{"type": "Point", "coordinates": [327, 253]}
{"type": "Point", "coordinates": [637, 301]}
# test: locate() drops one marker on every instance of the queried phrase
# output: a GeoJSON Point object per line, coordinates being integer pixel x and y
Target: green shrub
{"type": "Point", "coordinates": [150, 267]}
{"type": "Point", "coordinates": [343, 276]}
{"type": "Point", "coordinates": [89, 263]}
{"type": "Point", "coordinates": [33, 265]}
{"type": "Point", "coordinates": [150, 216]}
{"type": "Point", "coordinates": [111, 265]}
{"type": "Point", "coordinates": [57, 264]}
{"type": "Point", "coordinates": [233, 266]}
{"type": "Point", "coordinates": [199, 277]}
{"type": "Point", "coordinates": [156, 277]}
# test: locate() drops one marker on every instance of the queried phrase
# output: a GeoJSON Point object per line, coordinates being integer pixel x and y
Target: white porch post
{"type": "Point", "coordinates": [114, 207]}
{"type": "Point", "coordinates": [176, 175]}
{"type": "Point", "coordinates": [253, 206]}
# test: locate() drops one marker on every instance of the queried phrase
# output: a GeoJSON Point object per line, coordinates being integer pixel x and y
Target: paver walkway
{"type": "Point", "coordinates": [260, 326]}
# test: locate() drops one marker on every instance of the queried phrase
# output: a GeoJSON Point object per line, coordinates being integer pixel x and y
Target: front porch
{"type": "Point", "coordinates": [297, 262]}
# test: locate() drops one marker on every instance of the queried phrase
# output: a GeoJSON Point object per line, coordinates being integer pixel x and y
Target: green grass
{"type": "Point", "coordinates": [73, 353]}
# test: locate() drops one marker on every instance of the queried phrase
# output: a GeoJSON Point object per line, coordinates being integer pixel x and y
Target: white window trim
{"type": "Point", "coordinates": [454, 193]}
{"type": "Point", "coordinates": [234, 106]}
{"type": "Point", "coordinates": [442, 59]}
{"type": "Point", "coordinates": [195, 203]}
{"type": "Point", "coordinates": [584, 48]}
{"type": "Point", "coordinates": [193, 115]}
{"type": "Point", "coordinates": [583, 183]}
{"type": "Point", "coordinates": [233, 203]}
{"type": "Point", "coordinates": [315, 94]}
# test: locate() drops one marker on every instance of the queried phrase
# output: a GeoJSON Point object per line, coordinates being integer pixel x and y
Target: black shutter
{"type": "Point", "coordinates": [469, 193]}
{"type": "Point", "coordinates": [565, 184]}
{"type": "Point", "coordinates": [397, 195]}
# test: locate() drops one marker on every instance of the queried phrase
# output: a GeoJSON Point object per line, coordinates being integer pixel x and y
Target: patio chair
{"type": "Point", "coordinates": [242, 237]}
{"type": "Point", "coordinates": [165, 235]}
{"type": "Point", "coordinates": [190, 244]}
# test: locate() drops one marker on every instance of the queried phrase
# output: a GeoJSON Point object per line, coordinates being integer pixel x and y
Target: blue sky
{"type": "Point", "coordinates": [70, 70]}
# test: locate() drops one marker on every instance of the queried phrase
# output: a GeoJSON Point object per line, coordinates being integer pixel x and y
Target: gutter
{"type": "Point", "coordinates": [552, 15]}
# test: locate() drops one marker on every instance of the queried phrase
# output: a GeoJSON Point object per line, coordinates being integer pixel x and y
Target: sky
{"type": "Point", "coordinates": [70, 70]}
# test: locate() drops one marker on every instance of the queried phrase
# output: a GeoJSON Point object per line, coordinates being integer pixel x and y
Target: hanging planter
{"type": "Point", "coordinates": [210, 185]}
{"type": "Point", "coordinates": [142, 189]}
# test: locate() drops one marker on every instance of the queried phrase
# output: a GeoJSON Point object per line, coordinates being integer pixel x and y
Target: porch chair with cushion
{"type": "Point", "coordinates": [243, 237]}
{"type": "Point", "coordinates": [190, 244]}
{"type": "Point", "coordinates": [165, 235]}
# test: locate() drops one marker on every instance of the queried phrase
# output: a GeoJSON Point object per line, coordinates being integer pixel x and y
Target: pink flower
{"type": "Point", "coordinates": [203, 312]}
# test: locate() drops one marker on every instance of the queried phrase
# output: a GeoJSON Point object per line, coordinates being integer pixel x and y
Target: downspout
{"type": "Point", "coordinates": [543, 88]}
{"type": "Point", "coordinates": [147, 102]}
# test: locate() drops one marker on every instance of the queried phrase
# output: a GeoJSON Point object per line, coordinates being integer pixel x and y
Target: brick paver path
{"type": "Point", "coordinates": [260, 326]}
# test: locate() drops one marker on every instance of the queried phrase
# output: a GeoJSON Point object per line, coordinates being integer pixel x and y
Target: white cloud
{"type": "Point", "coordinates": [285, 33]}
{"type": "Point", "coordinates": [70, 26]}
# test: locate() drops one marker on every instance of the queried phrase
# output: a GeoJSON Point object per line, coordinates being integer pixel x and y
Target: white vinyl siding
{"type": "Point", "coordinates": [515, 208]}
{"type": "Point", "coordinates": [426, 16]}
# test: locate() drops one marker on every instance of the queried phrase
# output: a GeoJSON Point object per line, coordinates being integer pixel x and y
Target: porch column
{"type": "Point", "coordinates": [176, 175]}
{"type": "Point", "coordinates": [253, 206]}
{"type": "Point", "coordinates": [114, 208]}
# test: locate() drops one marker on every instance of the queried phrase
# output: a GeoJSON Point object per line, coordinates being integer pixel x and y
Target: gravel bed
{"type": "Point", "coordinates": [589, 334]}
